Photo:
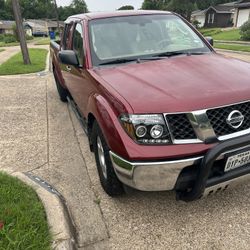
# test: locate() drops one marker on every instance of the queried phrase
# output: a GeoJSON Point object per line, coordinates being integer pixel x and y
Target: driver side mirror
{"type": "Point", "coordinates": [69, 57]}
{"type": "Point", "coordinates": [210, 40]}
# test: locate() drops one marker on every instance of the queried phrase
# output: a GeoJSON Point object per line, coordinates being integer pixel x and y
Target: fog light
{"type": "Point", "coordinates": [141, 131]}
{"type": "Point", "coordinates": [156, 131]}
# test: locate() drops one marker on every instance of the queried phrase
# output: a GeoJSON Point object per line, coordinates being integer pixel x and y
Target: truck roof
{"type": "Point", "coordinates": [97, 15]}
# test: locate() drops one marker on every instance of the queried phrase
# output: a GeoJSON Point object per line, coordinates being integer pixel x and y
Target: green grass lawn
{"type": "Point", "coordinates": [235, 47]}
{"type": "Point", "coordinates": [1, 50]}
{"type": "Point", "coordinates": [23, 222]}
{"type": "Point", "coordinates": [218, 34]}
{"type": "Point", "coordinates": [44, 41]}
{"type": "Point", "coordinates": [3, 44]}
{"type": "Point", "coordinates": [15, 65]}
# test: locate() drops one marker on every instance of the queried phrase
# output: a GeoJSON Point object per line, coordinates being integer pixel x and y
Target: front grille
{"type": "Point", "coordinates": [180, 127]}
{"type": "Point", "coordinates": [218, 117]}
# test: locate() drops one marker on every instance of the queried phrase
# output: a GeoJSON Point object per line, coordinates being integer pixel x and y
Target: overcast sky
{"type": "Point", "coordinates": [104, 5]}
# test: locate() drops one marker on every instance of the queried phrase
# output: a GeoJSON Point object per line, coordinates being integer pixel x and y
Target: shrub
{"type": "Point", "coordinates": [196, 24]}
{"type": "Point", "coordinates": [245, 31]}
{"type": "Point", "coordinates": [1, 37]}
{"type": "Point", "coordinates": [8, 38]}
{"type": "Point", "coordinates": [14, 28]}
{"type": "Point", "coordinates": [29, 37]}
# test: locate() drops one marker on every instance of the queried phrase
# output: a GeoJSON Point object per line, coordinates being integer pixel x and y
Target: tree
{"type": "Point", "coordinates": [126, 7]}
{"type": "Point", "coordinates": [79, 6]}
{"type": "Point", "coordinates": [154, 4]}
{"type": "Point", "coordinates": [20, 31]}
{"type": "Point", "coordinates": [204, 4]}
{"type": "Point", "coordinates": [6, 12]}
{"type": "Point", "coordinates": [182, 7]}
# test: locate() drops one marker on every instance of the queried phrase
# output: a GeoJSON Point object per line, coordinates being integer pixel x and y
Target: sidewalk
{"type": "Point", "coordinates": [41, 135]}
{"type": "Point", "coordinates": [245, 56]}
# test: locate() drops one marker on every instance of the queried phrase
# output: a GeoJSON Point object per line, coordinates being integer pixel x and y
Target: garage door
{"type": "Point", "coordinates": [243, 16]}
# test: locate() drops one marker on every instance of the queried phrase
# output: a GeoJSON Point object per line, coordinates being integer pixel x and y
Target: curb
{"type": "Point", "coordinates": [233, 51]}
{"type": "Point", "coordinates": [233, 42]}
{"type": "Point", "coordinates": [58, 217]}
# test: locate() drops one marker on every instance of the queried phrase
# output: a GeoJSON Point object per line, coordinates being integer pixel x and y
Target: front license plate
{"type": "Point", "coordinates": [237, 161]}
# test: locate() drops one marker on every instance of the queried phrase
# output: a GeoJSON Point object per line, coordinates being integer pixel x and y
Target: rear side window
{"type": "Point", "coordinates": [78, 41]}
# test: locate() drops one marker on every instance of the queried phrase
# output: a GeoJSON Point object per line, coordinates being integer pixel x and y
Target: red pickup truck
{"type": "Point", "coordinates": [162, 110]}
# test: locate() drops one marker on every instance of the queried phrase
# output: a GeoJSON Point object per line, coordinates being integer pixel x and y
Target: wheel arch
{"type": "Point", "coordinates": [108, 121]}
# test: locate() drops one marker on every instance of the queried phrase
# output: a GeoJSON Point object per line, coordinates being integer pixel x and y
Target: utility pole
{"type": "Point", "coordinates": [57, 18]}
{"type": "Point", "coordinates": [20, 31]}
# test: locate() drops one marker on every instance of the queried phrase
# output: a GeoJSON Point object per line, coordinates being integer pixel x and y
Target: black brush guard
{"type": "Point", "coordinates": [207, 163]}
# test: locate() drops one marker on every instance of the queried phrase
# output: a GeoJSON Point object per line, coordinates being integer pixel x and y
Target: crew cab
{"type": "Point", "coordinates": [162, 110]}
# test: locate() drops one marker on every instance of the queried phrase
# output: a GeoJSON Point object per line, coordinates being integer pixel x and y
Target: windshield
{"type": "Point", "coordinates": [141, 36]}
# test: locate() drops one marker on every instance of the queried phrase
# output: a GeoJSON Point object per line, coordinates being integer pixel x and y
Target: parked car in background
{"type": "Point", "coordinates": [162, 110]}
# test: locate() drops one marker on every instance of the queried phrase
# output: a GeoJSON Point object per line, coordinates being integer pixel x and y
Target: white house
{"type": "Point", "coordinates": [200, 16]}
{"type": "Point", "coordinates": [242, 12]}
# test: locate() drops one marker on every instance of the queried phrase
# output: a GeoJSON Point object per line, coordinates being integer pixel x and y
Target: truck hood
{"type": "Point", "coordinates": [182, 83]}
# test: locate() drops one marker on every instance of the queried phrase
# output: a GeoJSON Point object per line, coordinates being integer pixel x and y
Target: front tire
{"type": "Point", "coordinates": [63, 93]}
{"type": "Point", "coordinates": [109, 181]}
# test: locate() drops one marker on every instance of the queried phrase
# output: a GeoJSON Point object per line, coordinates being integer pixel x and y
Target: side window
{"type": "Point", "coordinates": [66, 36]}
{"type": "Point", "coordinates": [78, 42]}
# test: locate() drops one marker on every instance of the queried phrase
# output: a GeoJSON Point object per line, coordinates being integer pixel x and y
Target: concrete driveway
{"type": "Point", "coordinates": [41, 135]}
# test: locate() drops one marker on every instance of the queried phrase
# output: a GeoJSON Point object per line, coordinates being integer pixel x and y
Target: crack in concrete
{"type": "Point", "coordinates": [38, 167]}
{"type": "Point", "coordinates": [93, 243]}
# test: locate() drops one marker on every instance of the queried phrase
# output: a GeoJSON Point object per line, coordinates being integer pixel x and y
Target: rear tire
{"type": "Point", "coordinates": [63, 93]}
{"type": "Point", "coordinates": [109, 181]}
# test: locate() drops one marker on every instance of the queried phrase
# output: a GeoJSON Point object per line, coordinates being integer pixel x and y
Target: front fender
{"type": "Point", "coordinates": [110, 125]}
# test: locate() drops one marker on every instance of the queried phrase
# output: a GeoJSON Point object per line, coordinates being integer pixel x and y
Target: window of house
{"type": "Point", "coordinates": [78, 42]}
{"type": "Point", "coordinates": [211, 18]}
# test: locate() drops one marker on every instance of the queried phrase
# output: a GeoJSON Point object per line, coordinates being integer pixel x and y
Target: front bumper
{"type": "Point", "coordinates": [161, 176]}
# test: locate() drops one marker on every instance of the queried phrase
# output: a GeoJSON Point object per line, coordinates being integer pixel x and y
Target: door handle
{"type": "Point", "coordinates": [68, 68]}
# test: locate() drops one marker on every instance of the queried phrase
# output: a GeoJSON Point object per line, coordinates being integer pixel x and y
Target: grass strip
{"type": "Point", "coordinates": [23, 223]}
{"type": "Point", "coordinates": [15, 64]}
{"type": "Point", "coordinates": [219, 34]}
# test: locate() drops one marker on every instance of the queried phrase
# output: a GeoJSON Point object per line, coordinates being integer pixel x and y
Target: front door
{"type": "Point", "coordinates": [79, 84]}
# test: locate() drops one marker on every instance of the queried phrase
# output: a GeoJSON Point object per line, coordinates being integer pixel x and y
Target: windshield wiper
{"type": "Point", "coordinates": [177, 53]}
{"type": "Point", "coordinates": [138, 60]}
{"type": "Point", "coordinates": [119, 61]}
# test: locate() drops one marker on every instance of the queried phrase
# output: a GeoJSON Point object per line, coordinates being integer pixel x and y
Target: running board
{"type": "Point", "coordinates": [78, 114]}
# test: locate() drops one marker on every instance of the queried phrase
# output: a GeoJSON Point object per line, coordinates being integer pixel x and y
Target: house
{"type": "Point", "coordinates": [6, 27]}
{"type": "Point", "coordinates": [199, 16]}
{"type": "Point", "coordinates": [41, 27]}
{"type": "Point", "coordinates": [242, 12]}
{"type": "Point", "coordinates": [221, 15]}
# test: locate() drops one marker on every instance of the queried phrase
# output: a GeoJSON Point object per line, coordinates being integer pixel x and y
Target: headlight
{"type": "Point", "coordinates": [146, 129]}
